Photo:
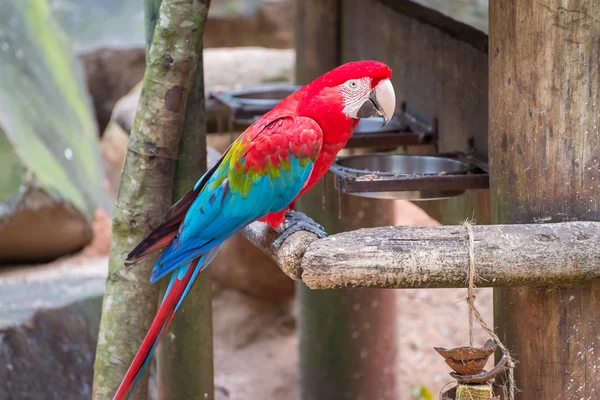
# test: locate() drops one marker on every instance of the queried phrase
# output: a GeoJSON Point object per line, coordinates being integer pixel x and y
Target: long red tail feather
{"type": "Point", "coordinates": [161, 322]}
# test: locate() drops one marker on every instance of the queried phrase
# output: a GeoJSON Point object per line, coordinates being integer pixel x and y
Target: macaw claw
{"type": "Point", "coordinates": [296, 221]}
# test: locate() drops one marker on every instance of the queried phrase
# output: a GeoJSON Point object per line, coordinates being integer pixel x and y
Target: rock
{"type": "Point", "coordinates": [102, 228]}
{"type": "Point", "coordinates": [111, 74]}
{"type": "Point", "coordinates": [49, 318]}
{"type": "Point", "coordinates": [119, 24]}
{"type": "Point", "coordinates": [126, 107]}
{"type": "Point", "coordinates": [108, 24]}
{"type": "Point", "coordinates": [223, 69]}
{"type": "Point", "coordinates": [50, 167]}
{"type": "Point", "coordinates": [59, 229]}
{"type": "Point", "coordinates": [247, 66]}
{"type": "Point", "coordinates": [113, 145]}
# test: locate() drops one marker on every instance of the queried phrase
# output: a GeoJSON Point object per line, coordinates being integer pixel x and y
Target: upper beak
{"type": "Point", "coordinates": [381, 102]}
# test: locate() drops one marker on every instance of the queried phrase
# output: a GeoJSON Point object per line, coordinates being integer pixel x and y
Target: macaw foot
{"type": "Point", "coordinates": [296, 221]}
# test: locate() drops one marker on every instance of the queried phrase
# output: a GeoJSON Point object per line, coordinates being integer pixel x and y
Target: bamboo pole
{"type": "Point", "coordinates": [544, 167]}
{"type": "Point", "coordinates": [185, 358]}
{"type": "Point", "coordinates": [145, 192]}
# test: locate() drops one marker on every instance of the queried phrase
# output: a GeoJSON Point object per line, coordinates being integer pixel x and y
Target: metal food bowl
{"type": "Point", "coordinates": [263, 97]}
{"type": "Point", "coordinates": [413, 177]}
{"type": "Point", "coordinates": [247, 105]}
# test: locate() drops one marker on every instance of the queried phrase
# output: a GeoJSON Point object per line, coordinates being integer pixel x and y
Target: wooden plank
{"type": "Point", "coordinates": [317, 38]}
{"type": "Point", "coordinates": [544, 164]}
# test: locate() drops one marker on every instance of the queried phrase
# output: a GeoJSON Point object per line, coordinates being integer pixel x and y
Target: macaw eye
{"type": "Point", "coordinates": [353, 84]}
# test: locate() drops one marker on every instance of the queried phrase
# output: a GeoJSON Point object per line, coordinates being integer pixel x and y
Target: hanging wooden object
{"type": "Point", "coordinates": [473, 381]}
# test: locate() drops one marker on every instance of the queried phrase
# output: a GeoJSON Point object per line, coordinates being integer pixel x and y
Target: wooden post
{"type": "Point", "coordinates": [185, 357]}
{"type": "Point", "coordinates": [326, 368]}
{"type": "Point", "coordinates": [544, 152]}
{"type": "Point", "coordinates": [317, 38]}
{"type": "Point", "coordinates": [348, 337]}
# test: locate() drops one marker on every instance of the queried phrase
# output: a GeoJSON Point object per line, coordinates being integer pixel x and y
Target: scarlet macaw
{"type": "Point", "coordinates": [277, 159]}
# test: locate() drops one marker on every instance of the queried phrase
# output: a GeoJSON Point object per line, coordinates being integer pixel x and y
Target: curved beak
{"type": "Point", "coordinates": [381, 102]}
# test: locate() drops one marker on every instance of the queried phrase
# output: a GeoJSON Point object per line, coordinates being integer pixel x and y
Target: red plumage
{"type": "Point", "coordinates": [321, 101]}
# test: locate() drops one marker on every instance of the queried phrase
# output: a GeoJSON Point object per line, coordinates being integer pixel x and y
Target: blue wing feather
{"type": "Point", "coordinates": [219, 212]}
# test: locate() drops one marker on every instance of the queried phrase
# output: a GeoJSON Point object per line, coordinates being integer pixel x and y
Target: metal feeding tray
{"type": "Point", "coordinates": [409, 177]}
{"type": "Point", "coordinates": [247, 105]}
{"type": "Point", "coordinates": [404, 129]}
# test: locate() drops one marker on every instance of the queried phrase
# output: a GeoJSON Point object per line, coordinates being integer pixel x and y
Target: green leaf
{"type": "Point", "coordinates": [422, 393]}
{"type": "Point", "coordinates": [47, 129]}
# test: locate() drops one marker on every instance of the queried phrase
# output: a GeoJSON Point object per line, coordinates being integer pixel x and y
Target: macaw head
{"type": "Point", "coordinates": [358, 89]}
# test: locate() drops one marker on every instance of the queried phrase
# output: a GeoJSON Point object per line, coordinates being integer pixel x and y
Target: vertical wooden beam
{"type": "Point", "coordinates": [317, 38]}
{"type": "Point", "coordinates": [544, 151]}
{"type": "Point", "coordinates": [347, 337]}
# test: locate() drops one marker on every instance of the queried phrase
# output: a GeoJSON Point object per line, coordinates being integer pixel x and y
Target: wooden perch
{"type": "Point", "coordinates": [438, 257]}
{"type": "Point", "coordinates": [289, 255]}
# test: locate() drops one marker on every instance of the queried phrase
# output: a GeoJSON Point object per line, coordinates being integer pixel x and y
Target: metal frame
{"type": "Point", "coordinates": [477, 177]}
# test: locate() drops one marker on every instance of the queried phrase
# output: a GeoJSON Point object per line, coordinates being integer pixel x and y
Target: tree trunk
{"type": "Point", "coordinates": [185, 360]}
{"type": "Point", "coordinates": [145, 192]}
{"type": "Point", "coordinates": [544, 167]}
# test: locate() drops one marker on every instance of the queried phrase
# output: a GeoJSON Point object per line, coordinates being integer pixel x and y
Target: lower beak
{"type": "Point", "coordinates": [381, 102]}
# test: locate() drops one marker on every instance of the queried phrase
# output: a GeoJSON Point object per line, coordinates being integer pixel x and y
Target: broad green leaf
{"type": "Point", "coordinates": [47, 130]}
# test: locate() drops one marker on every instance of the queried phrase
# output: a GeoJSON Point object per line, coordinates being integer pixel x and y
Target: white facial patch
{"type": "Point", "coordinates": [355, 92]}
